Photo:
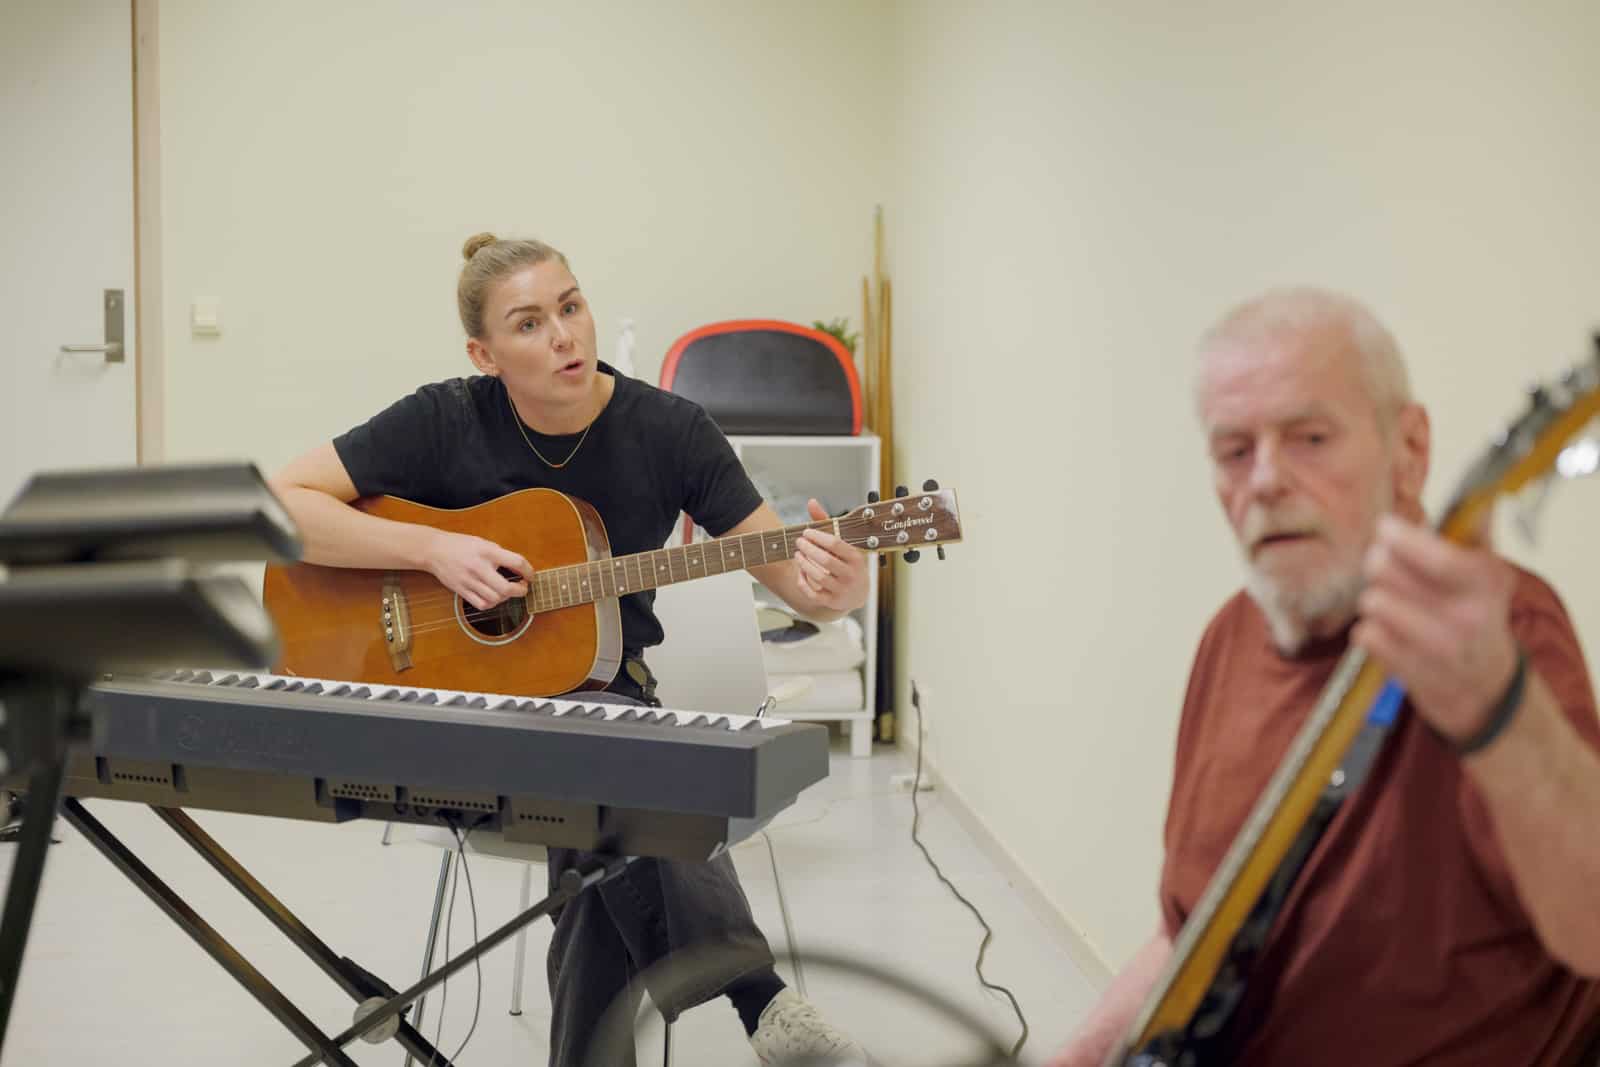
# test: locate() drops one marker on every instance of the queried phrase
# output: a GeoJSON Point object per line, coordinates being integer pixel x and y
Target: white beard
{"type": "Point", "coordinates": [1324, 606]}
{"type": "Point", "coordinates": [1293, 616]}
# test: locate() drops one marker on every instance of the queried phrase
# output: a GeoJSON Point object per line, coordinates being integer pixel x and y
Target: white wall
{"type": "Point", "coordinates": [322, 164]}
{"type": "Point", "coordinates": [1079, 191]}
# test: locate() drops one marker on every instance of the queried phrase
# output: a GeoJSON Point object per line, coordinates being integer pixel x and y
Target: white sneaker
{"type": "Point", "coordinates": [792, 1031]}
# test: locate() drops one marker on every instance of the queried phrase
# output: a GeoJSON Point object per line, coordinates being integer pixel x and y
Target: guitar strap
{"type": "Point", "coordinates": [638, 672]}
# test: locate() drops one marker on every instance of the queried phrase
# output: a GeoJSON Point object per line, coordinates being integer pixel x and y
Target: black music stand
{"type": "Point", "coordinates": [102, 574]}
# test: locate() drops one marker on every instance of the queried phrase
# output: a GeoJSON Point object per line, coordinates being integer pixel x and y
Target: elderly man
{"type": "Point", "coordinates": [1449, 915]}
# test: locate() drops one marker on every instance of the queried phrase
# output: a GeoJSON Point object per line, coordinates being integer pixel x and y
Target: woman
{"type": "Point", "coordinates": [545, 412]}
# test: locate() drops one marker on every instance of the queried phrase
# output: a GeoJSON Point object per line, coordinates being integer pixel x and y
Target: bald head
{"type": "Point", "coordinates": [1336, 327]}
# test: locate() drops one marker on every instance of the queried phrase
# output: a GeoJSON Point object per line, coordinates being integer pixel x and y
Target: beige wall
{"type": "Point", "coordinates": [1078, 190]}
{"type": "Point", "coordinates": [322, 164]}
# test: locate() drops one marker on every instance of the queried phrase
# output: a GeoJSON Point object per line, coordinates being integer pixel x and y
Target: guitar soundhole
{"type": "Point", "coordinates": [506, 619]}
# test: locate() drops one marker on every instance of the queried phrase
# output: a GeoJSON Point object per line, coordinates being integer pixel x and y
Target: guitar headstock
{"type": "Point", "coordinates": [905, 523]}
{"type": "Point", "coordinates": [1542, 442]}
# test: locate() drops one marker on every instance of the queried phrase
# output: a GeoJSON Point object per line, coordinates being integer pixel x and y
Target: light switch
{"type": "Point", "coordinates": [203, 319]}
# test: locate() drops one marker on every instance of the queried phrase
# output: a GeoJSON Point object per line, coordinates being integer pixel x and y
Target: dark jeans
{"type": "Point", "coordinates": [655, 908]}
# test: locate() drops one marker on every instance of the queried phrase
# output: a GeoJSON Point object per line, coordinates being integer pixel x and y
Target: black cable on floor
{"type": "Point", "coordinates": [988, 933]}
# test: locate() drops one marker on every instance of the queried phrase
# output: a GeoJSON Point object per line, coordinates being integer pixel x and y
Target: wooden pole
{"type": "Point", "coordinates": [869, 358]}
{"type": "Point", "coordinates": [883, 424]}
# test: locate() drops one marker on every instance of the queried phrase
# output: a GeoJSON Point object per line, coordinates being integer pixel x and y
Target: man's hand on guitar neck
{"type": "Point", "coordinates": [1437, 616]}
{"type": "Point", "coordinates": [470, 567]}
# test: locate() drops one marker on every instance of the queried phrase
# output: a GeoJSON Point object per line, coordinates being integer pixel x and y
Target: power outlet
{"type": "Point", "coordinates": [919, 719]}
{"type": "Point", "coordinates": [917, 722]}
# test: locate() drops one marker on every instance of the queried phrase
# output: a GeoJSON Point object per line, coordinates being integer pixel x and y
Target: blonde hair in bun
{"type": "Point", "coordinates": [487, 260]}
{"type": "Point", "coordinates": [475, 242]}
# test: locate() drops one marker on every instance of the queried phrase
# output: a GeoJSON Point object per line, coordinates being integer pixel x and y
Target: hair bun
{"type": "Point", "coordinates": [475, 242]}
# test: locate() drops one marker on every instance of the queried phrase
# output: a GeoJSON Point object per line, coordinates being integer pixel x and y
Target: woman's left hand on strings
{"type": "Point", "coordinates": [833, 573]}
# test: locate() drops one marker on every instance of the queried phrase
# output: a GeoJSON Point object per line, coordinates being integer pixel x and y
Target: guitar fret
{"type": "Point", "coordinates": [617, 576]}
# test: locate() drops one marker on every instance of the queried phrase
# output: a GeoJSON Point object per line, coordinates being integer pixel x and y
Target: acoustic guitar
{"type": "Point", "coordinates": [405, 628]}
{"type": "Point", "coordinates": [1184, 1021]}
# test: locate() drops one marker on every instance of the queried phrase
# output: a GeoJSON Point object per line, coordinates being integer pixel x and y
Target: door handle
{"type": "Point", "coordinates": [113, 346]}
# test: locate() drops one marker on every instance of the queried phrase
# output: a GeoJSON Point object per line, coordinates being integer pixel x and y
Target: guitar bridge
{"type": "Point", "coordinates": [396, 624]}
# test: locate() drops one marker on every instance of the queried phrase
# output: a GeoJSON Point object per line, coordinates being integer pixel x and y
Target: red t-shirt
{"type": "Point", "coordinates": [1404, 941]}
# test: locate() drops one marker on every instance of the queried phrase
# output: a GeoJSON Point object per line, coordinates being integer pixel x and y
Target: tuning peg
{"type": "Point", "coordinates": [883, 561]}
{"type": "Point", "coordinates": [912, 555]}
{"type": "Point", "coordinates": [901, 490]}
{"type": "Point", "coordinates": [872, 496]}
{"type": "Point", "coordinates": [1538, 397]}
{"type": "Point", "coordinates": [930, 486]}
{"type": "Point", "coordinates": [940, 550]}
{"type": "Point", "coordinates": [1525, 516]}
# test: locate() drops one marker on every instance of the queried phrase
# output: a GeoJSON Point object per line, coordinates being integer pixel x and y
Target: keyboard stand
{"type": "Point", "coordinates": [378, 1002]}
{"type": "Point", "coordinates": [41, 718]}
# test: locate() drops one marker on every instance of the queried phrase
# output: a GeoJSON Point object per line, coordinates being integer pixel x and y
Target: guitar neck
{"type": "Point", "coordinates": [1258, 849]}
{"type": "Point", "coordinates": [584, 583]}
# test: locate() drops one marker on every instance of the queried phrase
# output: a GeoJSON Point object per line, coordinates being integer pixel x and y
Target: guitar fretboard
{"type": "Point", "coordinates": [584, 583]}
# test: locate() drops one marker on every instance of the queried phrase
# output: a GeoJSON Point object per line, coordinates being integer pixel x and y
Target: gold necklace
{"type": "Point", "coordinates": [553, 466]}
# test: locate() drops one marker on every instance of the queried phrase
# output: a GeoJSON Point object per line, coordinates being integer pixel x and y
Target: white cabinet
{"type": "Point", "coordinates": [839, 472]}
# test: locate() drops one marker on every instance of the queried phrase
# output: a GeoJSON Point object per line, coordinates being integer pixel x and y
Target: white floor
{"type": "Point", "coordinates": [109, 980]}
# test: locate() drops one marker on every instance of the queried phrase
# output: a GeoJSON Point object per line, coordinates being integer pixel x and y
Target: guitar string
{"type": "Point", "coordinates": [594, 572]}
{"type": "Point", "coordinates": [585, 594]}
{"type": "Point", "coordinates": [428, 623]}
{"type": "Point", "coordinates": [547, 597]}
{"type": "Point", "coordinates": [597, 569]}
{"type": "Point", "coordinates": [575, 573]}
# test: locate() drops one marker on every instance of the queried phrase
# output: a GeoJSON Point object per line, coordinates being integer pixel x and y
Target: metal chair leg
{"type": "Point", "coordinates": [388, 829]}
{"type": "Point", "coordinates": [522, 941]}
{"type": "Point", "coordinates": [666, 1050]}
{"type": "Point", "coordinates": [433, 937]}
{"type": "Point", "coordinates": [788, 920]}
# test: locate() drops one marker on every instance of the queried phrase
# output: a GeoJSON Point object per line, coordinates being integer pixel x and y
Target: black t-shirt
{"type": "Point", "coordinates": [649, 456]}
